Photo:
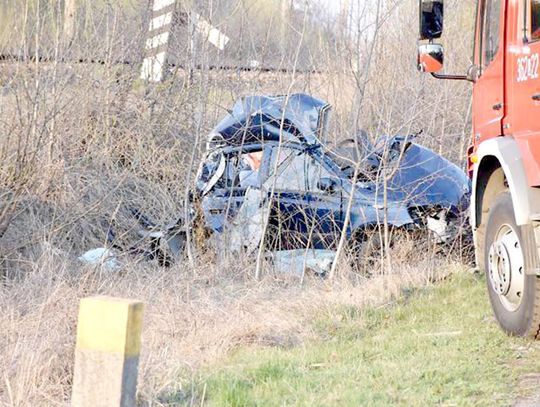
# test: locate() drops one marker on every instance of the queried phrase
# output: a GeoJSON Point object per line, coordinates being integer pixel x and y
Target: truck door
{"type": "Point", "coordinates": [523, 80]}
{"type": "Point", "coordinates": [488, 92]}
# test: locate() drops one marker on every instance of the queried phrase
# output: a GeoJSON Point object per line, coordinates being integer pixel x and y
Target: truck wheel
{"type": "Point", "coordinates": [514, 295]}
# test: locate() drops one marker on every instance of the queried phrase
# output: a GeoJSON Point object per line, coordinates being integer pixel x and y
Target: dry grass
{"type": "Point", "coordinates": [193, 317]}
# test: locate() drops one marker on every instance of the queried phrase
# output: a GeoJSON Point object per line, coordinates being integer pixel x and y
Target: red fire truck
{"type": "Point", "coordinates": [504, 156]}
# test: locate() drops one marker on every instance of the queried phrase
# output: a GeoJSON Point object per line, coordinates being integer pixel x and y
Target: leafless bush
{"type": "Point", "coordinates": [82, 140]}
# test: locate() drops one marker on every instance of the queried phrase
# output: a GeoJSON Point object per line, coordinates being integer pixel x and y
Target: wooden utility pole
{"type": "Point", "coordinates": [70, 15]}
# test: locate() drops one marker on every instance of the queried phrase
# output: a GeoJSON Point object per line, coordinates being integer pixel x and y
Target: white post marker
{"type": "Point", "coordinates": [210, 33]}
{"type": "Point", "coordinates": [107, 352]}
{"type": "Point", "coordinates": [155, 60]}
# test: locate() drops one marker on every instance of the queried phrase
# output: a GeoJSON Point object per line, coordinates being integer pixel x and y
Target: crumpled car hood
{"type": "Point", "coordinates": [424, 178]}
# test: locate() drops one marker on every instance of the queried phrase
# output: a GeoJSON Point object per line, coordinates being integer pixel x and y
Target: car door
{"type": "Point", "coordinates": [325, 203]}
{"type": "Point", "coordinates": [301, 215]}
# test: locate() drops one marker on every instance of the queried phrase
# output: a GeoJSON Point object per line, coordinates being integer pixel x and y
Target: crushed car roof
{"type": "Point", "coordinates": [297, 117]}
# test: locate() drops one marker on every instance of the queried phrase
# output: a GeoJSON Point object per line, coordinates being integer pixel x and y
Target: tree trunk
{"type": "Point", "coordinates": [285, 15]}
{"type": "Point", "coordinates": [70, 12]}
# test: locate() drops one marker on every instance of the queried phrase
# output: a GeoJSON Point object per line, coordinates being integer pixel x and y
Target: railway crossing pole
{"type": "Point", "coordinates": [165, 14]}
{"type": "Point", "coordinates": [159, 32]}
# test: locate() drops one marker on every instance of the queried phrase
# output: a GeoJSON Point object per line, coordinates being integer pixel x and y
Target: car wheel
{"type": "Point", "coordinates": [514, 295]}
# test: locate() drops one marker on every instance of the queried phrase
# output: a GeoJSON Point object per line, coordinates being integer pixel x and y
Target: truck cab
{"type": "Point", "coordinates": [504, 153]}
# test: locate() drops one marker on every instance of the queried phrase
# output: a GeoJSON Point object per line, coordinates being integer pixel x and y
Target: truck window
{"type": "Point", "coordinates": [491, 25]}
{"type": "Point", "coordinates": [535, 20]}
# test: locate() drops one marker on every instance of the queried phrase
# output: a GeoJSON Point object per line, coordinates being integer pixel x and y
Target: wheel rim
{"type": "Point", "coordinates": [506, 267]}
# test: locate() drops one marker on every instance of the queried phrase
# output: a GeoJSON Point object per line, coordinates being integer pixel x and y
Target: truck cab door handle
{"type": "Point", "coordinates": [536, 97]}
{"type": "Point", "coordinates": [497, 106]}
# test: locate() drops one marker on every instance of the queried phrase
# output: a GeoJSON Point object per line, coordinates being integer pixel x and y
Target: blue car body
{"type": "Point", "coordinates": [307, 188]}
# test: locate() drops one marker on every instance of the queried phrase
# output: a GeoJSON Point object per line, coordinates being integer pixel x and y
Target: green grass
{"type": "Point", "coordinates": [438, 346]}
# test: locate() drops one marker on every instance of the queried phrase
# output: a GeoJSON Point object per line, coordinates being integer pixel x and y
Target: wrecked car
{"type": "Point", "coordinates": [268, 175]}
{"type": "Point", "coordinates": [268, 181]}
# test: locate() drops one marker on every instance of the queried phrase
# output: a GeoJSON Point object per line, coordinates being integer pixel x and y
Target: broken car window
{"type": "Point", "coordinates": [298, 171]}
{"type": "Point", "coordinates": [234, 169]}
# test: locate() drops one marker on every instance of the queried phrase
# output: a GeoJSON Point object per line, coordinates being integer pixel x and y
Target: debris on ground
{"type": "Point", "coordinates": [101, 256]}
{"type": "Point", "coordinates": [301, 261]}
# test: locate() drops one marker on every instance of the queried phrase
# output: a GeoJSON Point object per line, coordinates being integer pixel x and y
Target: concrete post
{"type": "Point", "coordinates": [107, 352]}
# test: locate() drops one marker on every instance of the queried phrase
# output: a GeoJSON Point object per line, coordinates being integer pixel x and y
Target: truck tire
{"type": "Point", "coordinates": [514, 295]}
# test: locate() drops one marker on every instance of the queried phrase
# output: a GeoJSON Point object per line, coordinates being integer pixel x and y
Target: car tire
{"type": "Point", "coordinates": [514, 295]}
